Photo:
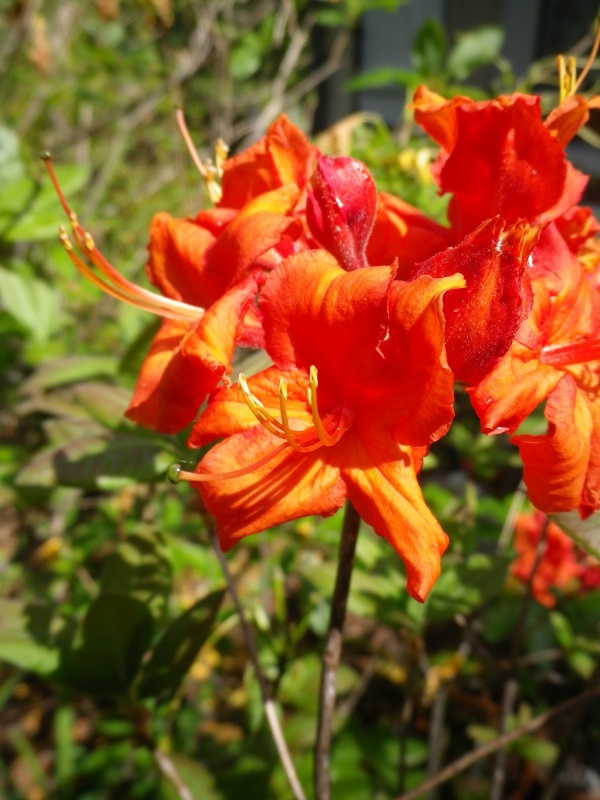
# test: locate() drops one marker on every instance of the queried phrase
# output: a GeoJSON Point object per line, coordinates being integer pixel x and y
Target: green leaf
{"type": "Point", "coordinates": [299, 685]}
{"type": "Point", "coordinates": [98, 462]}
{"type": "Point", "coordinates": [245, 58]}
{"type": "Point", "coordinates": [140, 567]}
{"type": "Point", "coordinates": [464, 586]}
{"type": "Point", "coordinates": [586, 532]}
{"type": "Point", "coordinates": [178, 647]}
{"type": "Point", "coordinates": [194, 776]}
{"type": "Point", "coordinates": [429, 47]}
{"type": "Point", "coordinates": [22, 640]}
{"type": "Point", "coordinates": [11, 166]}
{"type": "Point", "coordinates": [70, 369]}
{"type": "Point", "coordinates": [384, 76]}
{"type": "Point", "coordinates": [475, 49]}
{"type": "Point", "coordinates": [116, 632]}
{"type": "Point", "coordinates": [32, 302]}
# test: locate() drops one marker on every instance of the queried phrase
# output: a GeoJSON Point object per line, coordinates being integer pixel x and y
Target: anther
{"type": "Point", "coordinates": [88, 241]}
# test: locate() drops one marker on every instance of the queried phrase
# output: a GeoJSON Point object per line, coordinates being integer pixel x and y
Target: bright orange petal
{"type": "Point", "coordinates": [281, 157]}
{"type": "Point", "coordinates": [289, 486]}
{"type": "Point", "coordinates": [415, 396]}
{"type": "Point", "coordinates": [383, 487]}
{"type": "Point", "coordinates": [555, 464]}
{"type": "Point", "coordinates": [564, 122]}
{"type": "Point", "coordinates": [404, 236]}
{"type": "Point", "coordinates": [173, 386]}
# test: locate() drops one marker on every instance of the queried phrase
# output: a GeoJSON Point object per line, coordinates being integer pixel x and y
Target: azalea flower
{"type": "Point", "coordinates": [358, 391]}
{"type": "Point", "coordinates": [208, 271]}
{"type": "Point", "coordinates": [499, 158]}
{"type": "Point", "coordinates": [561, 564]}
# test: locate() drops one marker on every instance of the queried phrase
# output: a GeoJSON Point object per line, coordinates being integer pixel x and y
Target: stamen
{"type": "Point", "coordinates": [564, 355]}
{"type": "Point", "coordinates": [591, 57]}
{"type": "Point", "coordinates": [209, 174]}
{"type": "Point", "coordinates": [311, 394]}
{"type": "Point", "coordinates": [302, 441]}
{"type": "Point", "coordinates": [284, 415]}
{"type": "Point", "coordinates": [113, 282]}
{"type": "Point", "coordinates": [258, 409]}
{"type": "Point", "coordinates": [176, 474]}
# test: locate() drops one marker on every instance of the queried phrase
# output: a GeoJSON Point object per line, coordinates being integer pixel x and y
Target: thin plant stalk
{"type": "Point", "coordinates": [269, 706]}
{"type": "Point", "coordinates": [332, 652]}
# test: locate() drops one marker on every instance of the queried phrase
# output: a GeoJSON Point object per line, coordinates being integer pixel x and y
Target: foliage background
{"type": "Point", "coordinates": [119, 652]}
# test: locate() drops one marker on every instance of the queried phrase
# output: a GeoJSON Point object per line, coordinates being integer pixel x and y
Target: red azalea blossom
{"type": "Point", "coordinates": [375, 349]}
{"type": "Point", "coordinates": [560, 565]}
{"type": "Point", "coordinates": [498, 158]}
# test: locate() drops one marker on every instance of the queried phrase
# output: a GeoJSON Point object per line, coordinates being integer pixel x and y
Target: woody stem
{"type": "Point", "coordinates": [332, 652]}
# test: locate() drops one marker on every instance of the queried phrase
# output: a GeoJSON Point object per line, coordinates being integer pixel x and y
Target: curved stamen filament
{"type": "Point", "coordinates": [208, 172]}
{"type": "Point", "coordinates": [563, 355]}
{"type": "Point", "coordinates": [311, 394]}
{"type": "Point", "coordinates": [176, 474]}
{"type": "Point", "coordinates": [304, 440]}
{"type": "Point", "coordinates": [112, 282]}
{"type": "Point", "coordinates": [591, 58]}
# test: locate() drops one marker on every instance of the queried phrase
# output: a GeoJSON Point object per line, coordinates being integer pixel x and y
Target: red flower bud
{"type": "Point", "coordinates": [340, 209]}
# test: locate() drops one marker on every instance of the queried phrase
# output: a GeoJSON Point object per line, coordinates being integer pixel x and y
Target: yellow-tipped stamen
{"type": "Point", "coordinates": [311, 394]}
{"type": "Point", "coordinates": [568, 82]}
{"type": "Point", "coordinates": [259, 411]}
{"type": "Point", "coordinates": [304, 441]}
{"type": "Point", "coordinates": [284, 416]}
{"type": "Point", "coordinates": [591, 57]}
{"type": "Point", "coordinates": [112, 282]}
{"type": "Point", "coordinates": [208, 173]}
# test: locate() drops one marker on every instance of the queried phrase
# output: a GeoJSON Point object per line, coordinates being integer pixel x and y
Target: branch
{"type": "Point", "coordinates": [463, 763]}
{"type": "Point", "coordinates": [332, 652]}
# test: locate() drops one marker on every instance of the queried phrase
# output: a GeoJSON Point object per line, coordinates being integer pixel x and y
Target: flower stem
{"type": "Point", "coordinates": [332, 652]}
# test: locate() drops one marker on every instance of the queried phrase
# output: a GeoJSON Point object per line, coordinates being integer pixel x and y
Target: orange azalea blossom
{"type": "Point", "coordinates": [208, 270]}
{"type": "Point", "coordinates": [562, 564]}
{"type": "Point", "coordinates": [555, 357]}
{"type": "Point", "coordinates": [359, 389]}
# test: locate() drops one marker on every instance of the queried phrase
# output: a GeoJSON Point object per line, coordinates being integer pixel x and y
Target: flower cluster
{"type": "Point", "coordinates": [369, 311]}
{"type": "Point", "coordinates": [550, 560]}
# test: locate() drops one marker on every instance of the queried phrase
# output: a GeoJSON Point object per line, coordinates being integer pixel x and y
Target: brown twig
{"type": "Point", "coordinates": [332, 652]}
{"type": "Point", "coordinates": [268, 704]}
{"type": "Point", "coordinates": [570, 728]}
{"type": "Point", "coordinates": [464, 762]}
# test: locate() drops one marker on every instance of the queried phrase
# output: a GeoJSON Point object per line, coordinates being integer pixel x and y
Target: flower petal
{"type": "Point", "coordinates": [483, 319]}
{"type": "Point", "coordinates": [414, 397]}
{"type": "Point", "coordinates": [556, 464]}
{"type": "Point", "coordinates": [289, 486]}
{"type": "Point", "coordinates": [404, 236]}
{"type": "Point", "coordinates": [281, 157]}
{"type": "Point", "coordinates": [316, 313]}
{"type": "Point", "coordinates": [173, 383]}
{"type": "Point", "coordinates": [383, 487]}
